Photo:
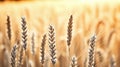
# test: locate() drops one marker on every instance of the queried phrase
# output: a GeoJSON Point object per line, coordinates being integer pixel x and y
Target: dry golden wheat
{"type": "Point", "coordinates": [89, 17]}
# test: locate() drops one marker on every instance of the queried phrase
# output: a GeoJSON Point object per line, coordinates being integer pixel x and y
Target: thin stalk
{"type": "Point", "coordinates": [69, 36]}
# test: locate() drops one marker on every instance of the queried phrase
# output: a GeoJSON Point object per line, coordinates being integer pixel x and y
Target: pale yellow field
{"type": "Point", "coordinates": [101, 18]}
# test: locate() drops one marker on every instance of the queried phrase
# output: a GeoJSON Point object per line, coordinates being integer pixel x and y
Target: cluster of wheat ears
{"type": "Point", "coordinates": [19, 56]}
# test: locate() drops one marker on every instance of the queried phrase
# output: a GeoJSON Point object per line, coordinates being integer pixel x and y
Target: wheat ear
{"type": "Point", "coordinates": [91, 51]}
{"type": "Point", "coordinates": [20, 57]}
{"type": "Point", "coordinates": [69, 36]}
{"type": "Point", "coordinates": [8, 28]}
{"type": "Point", "coordinates": [43, 49]}
{"type": "Point", "coordinates": [69, 31]}
{"type": "Point", "coordinates": [52, 44]}
{"type": "Point", "coordinates": [33, 43]}
{"type": "Point", "coordinates": [13, 56]}
{"type": "Point", "coordinates": [74, 62]}
{"type": "Point", "coordinates": [24, 33]}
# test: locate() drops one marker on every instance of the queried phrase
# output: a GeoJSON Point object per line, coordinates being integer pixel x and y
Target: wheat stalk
{"type": "Point", "coordinates": [24, 33]}
{"type": "Point", "coordinates": [52, 44]}
{"type": "Point", "coordinates": [13, 56]}
{"type": "Point", "coordinates": [43, 49]}
{"type": "Point", "coordinates": [69, 36]}
{"type": "Point", "coordinates": [91, 51]}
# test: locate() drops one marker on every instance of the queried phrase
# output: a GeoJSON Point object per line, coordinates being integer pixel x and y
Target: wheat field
{"type": "Point", "coordinates": [60, 34]}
